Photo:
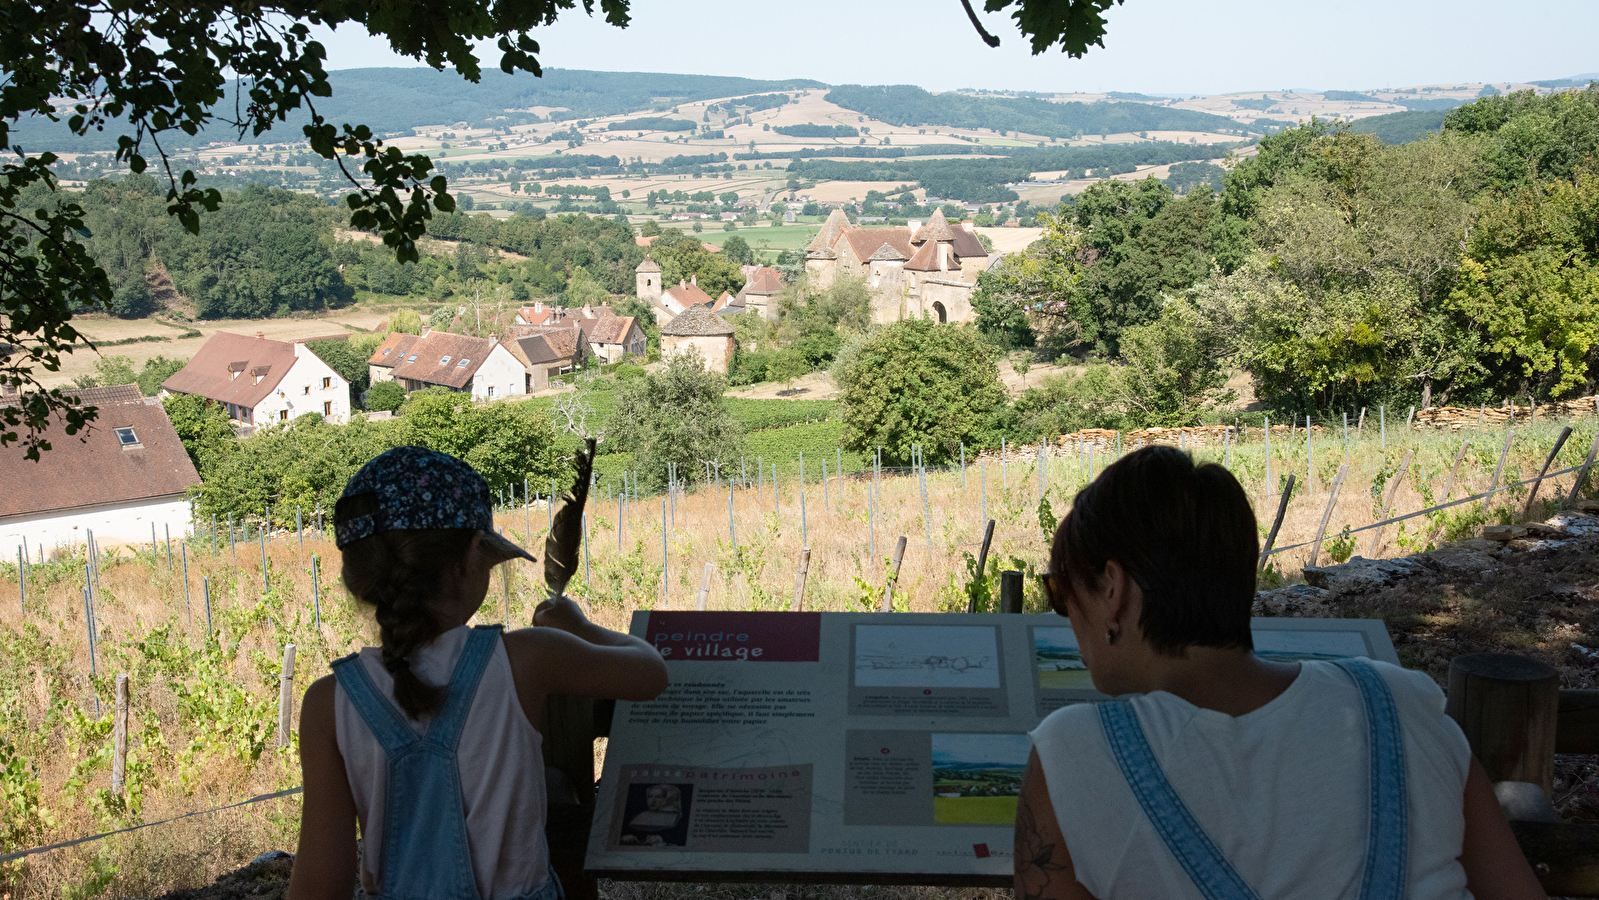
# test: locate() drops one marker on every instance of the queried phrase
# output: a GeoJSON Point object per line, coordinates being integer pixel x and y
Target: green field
{"type": "Point", "coordinates": [974, 810]}
{"type": "Point", "coordinates": [1069, 680]}
{"type": "Point", "coordinates": [779, 237]}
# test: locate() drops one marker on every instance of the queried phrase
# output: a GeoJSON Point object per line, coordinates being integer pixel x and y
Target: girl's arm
{"type": "Point", "coordinates": [324, 866]}
{"type": "Point", "coordinates": [1043, 864]}
{"type": "Point", "coordinates": [1494, 864]}
{"type": "Point", "coordinates": [568, 654]}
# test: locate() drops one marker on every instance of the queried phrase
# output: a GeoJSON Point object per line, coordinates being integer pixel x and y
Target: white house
{"type": "Point", "coordinates": [119, 478]}
{"type": "Point", "coordinates": [261, 382]}
{"type": "Point", "coordinates": [480, 366]}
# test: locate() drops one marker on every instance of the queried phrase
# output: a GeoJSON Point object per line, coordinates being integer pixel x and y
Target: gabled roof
{"type": "Point", "coordinates": [100, 396]}
{"type": "Point", "coordinates": [966, 243]}
{"type": "Point", "coordinates": [697, 321]}
{"type": "Point", "coordinates": [936, 229]}
{"type": "Point", "coordinates": [227, 368]}
{"type": "Point", "coordinates": [866, 242]}
{"type": "Point", "coordinates": [765, 280]}
{"type": "Point", "coordinates": [926, 259]}
{"type": "Point", "coordinates": [609, 330]}
{"type": "Point", "coordinates": [535, 350]}
{"type": "Point", "coordinates": [689, 295]}
{"type": "Point", "coordinates": [566, 341]}
{"type": "Point", "coordinates": [886, 253]}
{"type": "Point", "coordinates": [392, 350]}
{"type": "Point", "coordinates": [437, 357]}
{"type": "Point", "coordinates": [93, 467]}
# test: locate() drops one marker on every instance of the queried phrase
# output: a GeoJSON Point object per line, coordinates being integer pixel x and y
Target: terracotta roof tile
{"type": "Point", "coordinates": [227, 367]}
{"type": "Point", "coordinates": [93, 467]}
{"type": "Point", "coordinates": [438, 356]}
{"type": "Point", "coordinates": [648, 265]}
{"type": "Point", "coordinates": [610, 330]}
{"type": "Point", "coordinates": [392, 350]}
{"type": "Point", "coordinates": [936, 229]}
{"type": "Point", "coordinates": [868, 241]}
{"type": "Point", "coordinates": [100, 396]}
{"type": "Point", "coordinates": [690, 295]}
{"type": "Point", "coordinates": [966, 244]}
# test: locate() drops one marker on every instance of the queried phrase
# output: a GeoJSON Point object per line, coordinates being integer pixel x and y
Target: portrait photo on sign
{"type": "Point", "coordinates": [1059, 662]}
{"type": "Point", "coordinates": [926, 656]}
{"type": "Point", "coordinates": [1292, 646]}
{"type": "Point", "coordinates": [656, 815]}
{"type": "Point", "coordinates": [977, 778]}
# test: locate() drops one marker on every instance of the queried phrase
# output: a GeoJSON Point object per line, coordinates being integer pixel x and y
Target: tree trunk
{"type": "Point", "coordinates": [1426, 393]}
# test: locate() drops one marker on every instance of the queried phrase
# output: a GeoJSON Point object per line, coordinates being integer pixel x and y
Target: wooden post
{"type": "Point", "coordinates": [982, 474]}
{"type": "Point", "coordinates": [1332, 498]}
{"type": "Point", "coordinates": [1267, 438]}
{"type": "Point", "coordinates": [119, 737]}
{"type": "Point", "coordinates": [1498, 470]}
{"type": "Point", "coordinates": [827, 495]}
{"type": "Point", "coordinates": [893, 575]}
{"type": "Point", "coordinates": [1449, 485]}
{"type": "Point", "coordinates": [316, 592]}
{"type": "Point", "coordinates": [1582, 474]}
{"type": "Point", "coordinates": [1010, 591]}
{"type": "Point", "coordinates": [1310, 462]}
{"type": "Point", "coordinates": [705, 587]}
{"type": "Point", "coordinates": [666, 563]}
{"type": "Point", "coordinates": [1277, 523]}
{"type": "Point", "coordinates": [982, 561]}
{"type": "Point", "coordinates": [1360, 424]}
{"type": "Point", "coordinates": [285, 695]}
{"type": "Point", "coordinates": [1507, 705]}
{"type": "Point", "coordinates": [1532, 495]}
{"type": "Point", "coordinates": [1387, 504]}
{"type": "Point", "coordinates": [205, 588]}
{"type": "Point", "coordinates": [800, 577]}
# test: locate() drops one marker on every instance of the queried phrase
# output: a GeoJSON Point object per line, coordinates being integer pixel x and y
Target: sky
{"type": "Point", "coordinates": [1152, 46]}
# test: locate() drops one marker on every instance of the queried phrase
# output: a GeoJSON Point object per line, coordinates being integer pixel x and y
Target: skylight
{"type": "Point", "coordinates": [445, 361]}
{"type": "Point", "coordinates": [386, 350]}
{"type": "Point", "coordinates": [411, 358]}
{"type": "Point", "coordinates": [126, 437]}
{"type": "Point", "coordinates": [463, 362]}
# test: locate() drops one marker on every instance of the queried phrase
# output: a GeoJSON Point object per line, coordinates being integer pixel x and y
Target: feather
{"type": "Point", "coordinates": [562, 547]}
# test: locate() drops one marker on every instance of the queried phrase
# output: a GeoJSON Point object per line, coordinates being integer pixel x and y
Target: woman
{"type": "Point", "coordinates": [1219, 774]}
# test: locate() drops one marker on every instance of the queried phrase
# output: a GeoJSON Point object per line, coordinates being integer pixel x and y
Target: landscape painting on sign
{"type": "Point", "coordinates": [926, 656]}
{"type": "Point", "coordinates": [977, 777]}
{"type": "Point", "coordinates": [1058, 661]}
{"type": "Point", "coordinates": [1293, 646]}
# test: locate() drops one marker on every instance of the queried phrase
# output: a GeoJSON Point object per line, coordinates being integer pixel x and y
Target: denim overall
{"type": "Point", "coordinates": [1387, 834]}
{"type": "Point", "coordinates": [425, 850]}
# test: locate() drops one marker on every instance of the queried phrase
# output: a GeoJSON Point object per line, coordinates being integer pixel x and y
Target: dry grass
{"type": "Point", "coordinates": [44, 666]}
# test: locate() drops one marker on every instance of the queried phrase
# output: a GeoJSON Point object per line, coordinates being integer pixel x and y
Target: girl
{"type": "Point", "coordinates": [1219, 774]}
{"type": "Point", "coordinates": [431, 742]}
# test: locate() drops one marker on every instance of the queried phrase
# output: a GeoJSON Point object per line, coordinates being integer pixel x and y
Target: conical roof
{"type": "Point", "coordinates": [837, 223]}
{"type": "Point", "coordinates": [697, 321]}
{"type": "Point", "coordinates": [648, 265]}
{"type": "Point", "coordinates": [936, 229]}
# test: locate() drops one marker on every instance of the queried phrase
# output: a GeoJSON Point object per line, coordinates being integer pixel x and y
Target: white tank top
{"type": "Point", "coordinates": [500, 761]}
{"type": "Point", "coordinates": [1281, 790]}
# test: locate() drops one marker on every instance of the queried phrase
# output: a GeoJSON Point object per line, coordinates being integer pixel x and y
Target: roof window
{"type": "Point", "coordinates": [463, 362]}
{"type": "Point", "coordinates": [386, 350]}
{"type": "Point", "coordinates": [445, 361]}
{"type": "Point", "coordinates": [126, 437]}
{"type": "Point", "coordinates": [411, 358]}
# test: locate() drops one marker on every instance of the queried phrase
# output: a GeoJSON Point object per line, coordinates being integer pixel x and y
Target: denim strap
{"type": "Point", "coordinates": [381, 717]}
{"type": "Point", "coordinates": [1211, 873]}
{"type": "Point", "coordinates": [1388, 834]}
{"type": "Point", "coordinates": [445, 729]}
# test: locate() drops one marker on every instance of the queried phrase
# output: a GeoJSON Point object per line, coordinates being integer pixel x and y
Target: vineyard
{"type": "Point", "coordinates": [200, 631]}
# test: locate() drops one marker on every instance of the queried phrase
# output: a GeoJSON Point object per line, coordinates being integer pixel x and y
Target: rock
{"type": "Point", "coordinates": [1460, 559]}
{"type": "Point", "coordinates": [1294, 601]}
{"type": "Point", "coordinates": [1542, 530]}
{"type": "Point", "coordinates": [1524, 545]}
{"type": "Point", "coordinates": [1588, 506]}
{"type": "Point", "coordinates": [1575, 525]}
{"type": "Point", "coordinates": [1361, 574]}
{"type": "Point", "coordinates": [1504, 532]}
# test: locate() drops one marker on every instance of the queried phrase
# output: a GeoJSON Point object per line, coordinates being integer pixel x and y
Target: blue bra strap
{"type": "Point", "coordinates": [1388, 835]}
{"type": "Point", "coordinates": [1201, 859]}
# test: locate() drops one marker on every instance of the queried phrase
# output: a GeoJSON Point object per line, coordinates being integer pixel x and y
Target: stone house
{"type": "Point", "coordinates": [705, 331]}
{"type": "Point", "coordinates": [261, 382]}
{"type": "Point", "coordinates": [118, 478]}
{"type": "Point", "coordinates": [613, 338]}
{"type": "Point", "coordinates": [539, 358]}
{"type": "Point", "coordinates": [479, 366]}
{"type": "Point", "coordinates": [760, 290]}
{"type": "Point", "coordinates": [926, 270]}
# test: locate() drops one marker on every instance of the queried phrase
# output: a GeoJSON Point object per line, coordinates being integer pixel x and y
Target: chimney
{"type": "Point", "coordinates": [696, 279]}
{"type": "Point", "coordinates": [943, 257]}
{"type": "Point", "coordinates": [425, 330]}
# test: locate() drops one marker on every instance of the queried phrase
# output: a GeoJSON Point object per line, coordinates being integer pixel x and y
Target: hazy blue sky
{"type": "Point", "coordinates": [1156, 46]}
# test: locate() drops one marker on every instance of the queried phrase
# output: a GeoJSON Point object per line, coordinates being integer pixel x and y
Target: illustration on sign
{"type": "Point", "coordinates": [977, 778]}
{"type": "Point", "coordinates": [935, 656]}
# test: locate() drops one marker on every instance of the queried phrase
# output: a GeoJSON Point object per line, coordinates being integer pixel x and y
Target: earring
{"type": "Point", "coordinates": [1110, 635]}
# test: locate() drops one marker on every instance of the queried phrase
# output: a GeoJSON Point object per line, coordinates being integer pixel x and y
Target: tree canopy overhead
{"type": "Point", "coordinates": [155, 72]}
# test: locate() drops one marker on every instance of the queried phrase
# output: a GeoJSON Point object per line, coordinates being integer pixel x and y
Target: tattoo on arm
{"type": "Point", "coordinates": [1039, 874]}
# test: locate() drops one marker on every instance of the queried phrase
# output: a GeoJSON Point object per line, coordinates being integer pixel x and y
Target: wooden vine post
{"type": "Point", "coordinates": [1277, 523]}
{"type": "Point", "coordinates": [800, 577]}
{"type": "Point", "coordinates": [1388, 502]}
{"type": "Point", "coordinates": [119, 738]}
{"type": "Point", "coordinates": [1532, 495]}
{"type": "Point", "coordinates": [1332, 498]}
{"type": "Point", "coordinates": [893, 575]}
{"type": "Point", "coordinates": [285, 695]}
{"type": "Point", "coordinates": [705, 587]}
{"type": "Point", "coordinates": [1010, 591]}
{"type": "Point", "coordinates": [1449, 487]}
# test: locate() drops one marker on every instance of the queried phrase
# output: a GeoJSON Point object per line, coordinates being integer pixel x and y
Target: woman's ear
{"type": "Point", "coordinates": [1119, 595]}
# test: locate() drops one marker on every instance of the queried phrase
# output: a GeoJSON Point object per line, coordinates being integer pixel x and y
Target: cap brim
{"type": "Point", "coordinates": [499, 545]}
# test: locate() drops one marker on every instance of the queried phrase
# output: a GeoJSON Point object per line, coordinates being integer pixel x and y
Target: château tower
{"type": "Point", "coordinates": [647, 279]}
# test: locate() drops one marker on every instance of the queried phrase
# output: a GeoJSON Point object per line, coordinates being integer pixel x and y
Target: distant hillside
{"type": "Point", "coordinates": [904, 104]}
{"type": "Point", "coordinates": [396, 100]}
{"type": "Point", "coordinates": [1401, 128]}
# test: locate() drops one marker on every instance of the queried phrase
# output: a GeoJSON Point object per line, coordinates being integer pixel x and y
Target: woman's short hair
{"type": "Point", "coordinates": [1185, 534]}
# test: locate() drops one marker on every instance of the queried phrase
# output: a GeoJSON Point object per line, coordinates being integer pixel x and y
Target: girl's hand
{"type": "Point", "coordinates": [561, 613]}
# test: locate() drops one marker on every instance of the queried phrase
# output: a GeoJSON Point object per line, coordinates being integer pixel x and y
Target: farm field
{"type": "Point", "coordinates": [205, 676]}
{"type": "Point", "coordinates": [974, 810]}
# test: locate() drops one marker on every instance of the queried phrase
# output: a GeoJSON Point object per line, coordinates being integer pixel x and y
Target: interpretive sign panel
{"type": "Point", "coordinates": [870, 747]}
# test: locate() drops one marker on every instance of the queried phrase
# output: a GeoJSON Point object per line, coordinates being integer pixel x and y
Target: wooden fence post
{"type": "Point", "coordinates": [1332, 498]}
{"type": "Point", "coordinates": [1277, 523]}
{"type": "Point", "coordinates": [705, 587]}
{"type": "Point", "coordinates": [800, 577]}
{"type": "Point", "coordinates": [1507, 705]}
{"type": "Point", "coordinates": [119, 737]}
{"type": "Point", "coordinates": [1532, 495]}
{"type": "Point", "coordinates": [1387, 504]}
{"type": "Point", "coordinates": [1499, 469]}
{"type": "Point", "coordinates": [1010, 591]}
{"type": "Point", "coordinates": [285, 695]}
{"type": "Point", "coordinates": [982, 561]}
{"type": "Point", "coordinates": [1449, 485]}
{"type": "Point", "coordinates": [893, 575]}
{"type": "Point", "coordinates": [1582, 474]}
{"type": "Point", "coordinates": [316, 592]}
